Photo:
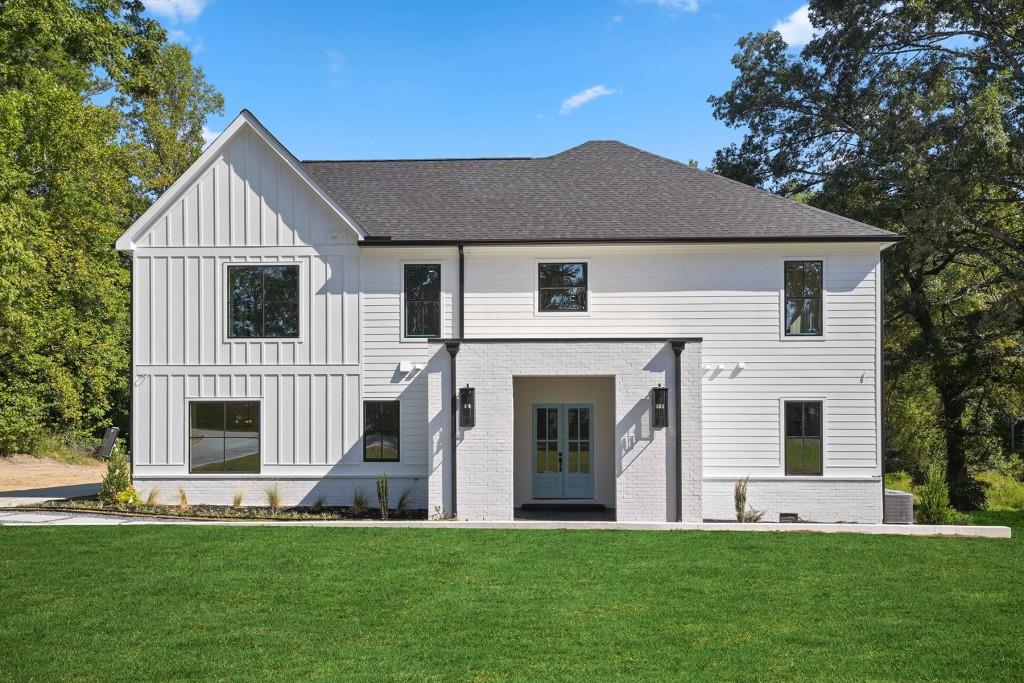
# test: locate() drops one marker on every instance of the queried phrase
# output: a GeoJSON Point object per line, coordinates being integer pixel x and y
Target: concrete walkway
{"type": "Point", "coordinates": [50, 518]}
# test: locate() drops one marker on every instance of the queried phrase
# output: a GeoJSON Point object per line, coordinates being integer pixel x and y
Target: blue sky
{"type": "Point", "coordinates": [381, 80]}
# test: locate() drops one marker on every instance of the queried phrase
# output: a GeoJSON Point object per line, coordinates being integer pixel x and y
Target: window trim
{"type": "Point", "coordinates": [782, 300]}
{"type": "Point", "coordinates": [537, 312]}
{"type": "Point", "coordinates": [188, 433]}
{"type": "Point", "coordinates": [401, 322]}
{"type": "Point", "coordinates": [362, 429]}
{"type": "Point", "coordinates": [223, 304]}
{"type": "Point", "coordinates": [824, 434]}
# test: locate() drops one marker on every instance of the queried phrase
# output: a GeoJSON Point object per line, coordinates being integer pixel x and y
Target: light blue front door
{"type": "Point", "coordinates": [563, 450]}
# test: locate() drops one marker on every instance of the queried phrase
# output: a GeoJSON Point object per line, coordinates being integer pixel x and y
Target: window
{"type": "Point", "coordinates": [803, 437]}
{"type": "Point", "coordinates": [263, 301]}
{"type": "Point", "coordinates": [422, 300]}
{"type": "Point", "coordinates": [224, 436]}
{"type": "Point", "coordinates": [380, 431]}
{"type": "Point", "coordinates": [562, 287]}
{"type": "Point", "coordinates": [803, 298]}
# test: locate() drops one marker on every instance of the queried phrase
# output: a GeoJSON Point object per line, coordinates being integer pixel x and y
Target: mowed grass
{"type": "Point", "coordinates": [283, 604]}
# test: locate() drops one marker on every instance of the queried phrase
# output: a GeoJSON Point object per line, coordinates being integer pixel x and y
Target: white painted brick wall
{"type": "Point", "coordinates": [643, 456]}
{"type": "Point", "coordinates": [294, 491]}
{"type": "Point", "coordinates": [815, 500]}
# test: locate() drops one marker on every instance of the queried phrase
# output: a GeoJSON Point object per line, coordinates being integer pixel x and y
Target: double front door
{"type": "Point", "coordinates": [563, 450]}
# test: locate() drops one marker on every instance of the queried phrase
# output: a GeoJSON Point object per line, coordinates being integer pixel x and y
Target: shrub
{"type": "Point", "coordinates": [182, 499]}
{"type": "Point", "coordinates": [743, 513]}
{"type": "Point", "coordinates": [382, 494]}
{"type": "Point", "coordinates": [899, 481]}
{"type": "Point", "coordinates": [403, 503]}
{"type": "Point", "coordinates": [1005, 493]}
{"type": "Point", "coordinates": [968, 494]}
{"type": "Point", "coordinates": [236, 502]}
{"type": "Point", "coordinates": [117, 486]}
{"type": "Point", "coordinates": [274, 497]}
{"type": "Point", "coordinates": [933, 499]}
{"type": "Point", "coordinates": [154, 497]}
{"type": "Point", "coordinates": [360, 505]}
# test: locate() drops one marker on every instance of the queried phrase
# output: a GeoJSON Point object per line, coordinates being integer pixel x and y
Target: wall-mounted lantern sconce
{"type": "Point", "coordinates": [659, 404]}
{"type": "Point", "coordinates": [467, 406]}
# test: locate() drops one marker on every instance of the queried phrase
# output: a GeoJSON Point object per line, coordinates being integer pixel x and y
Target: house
{"type": "Point", "coordinates": [601, 326]}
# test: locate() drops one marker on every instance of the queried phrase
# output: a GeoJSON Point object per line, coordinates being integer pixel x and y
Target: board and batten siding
{"type": "Point", "coordinates": [247, 207]}
{"type": "Point", "coordinates": [730, 295]}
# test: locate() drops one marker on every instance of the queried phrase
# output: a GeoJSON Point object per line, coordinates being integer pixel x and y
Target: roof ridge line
{"type": "Point", "coordinates": [377, 161]}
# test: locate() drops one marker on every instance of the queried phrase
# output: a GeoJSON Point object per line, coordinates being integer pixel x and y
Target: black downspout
{"type": "Point", "coordinates": [677, 349]}
{"type": "Point", "coordinates": [453, 350]}
{"type": "Point", "coordinates": [462, 293]}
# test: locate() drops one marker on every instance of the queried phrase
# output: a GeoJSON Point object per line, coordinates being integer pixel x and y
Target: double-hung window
{"type": "Point", "coordinates": [263, 302]}
{"type": "Point", "coordinates": [422, 299]}
{"type": "Point", "coordinates": [561, 287]}
{"type": "Point", "coordinates": [380, 431]}
{"type": "Point", "coordinates": [803, 291]}
{"type": "Point", "coordinates": [803, 437]}
{"type": "Point", "coordinates": [224, 436]}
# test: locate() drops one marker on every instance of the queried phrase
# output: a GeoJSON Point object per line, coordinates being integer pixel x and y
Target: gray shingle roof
{"type": "Point", "coordinates": [600, 190]}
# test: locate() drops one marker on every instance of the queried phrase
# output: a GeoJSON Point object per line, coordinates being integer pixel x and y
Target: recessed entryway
{"type": "Point", "coordinates": [563, 451]}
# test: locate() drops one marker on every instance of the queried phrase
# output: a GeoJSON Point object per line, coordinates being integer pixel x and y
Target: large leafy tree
{"type": "Point", "coordinates": [82, 152]}
{"type": "Point", "coordinates": [909, 115]}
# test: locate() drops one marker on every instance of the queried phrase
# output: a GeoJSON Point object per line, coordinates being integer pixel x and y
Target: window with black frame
{"type": "Point", "coordinates": [381, 431]}
{"type": "Point", "coordinates": [224, 436]}
{"type": "Point", "coordinates": [562, 287]}
{"type": "Point", "coordinates": [422, 299]}
{"type": "Point", "coordinates": [803, 437]}
{"type": "Point", "coordinates": [803, 299]}
{"type": "Point", "coordinates": [263, 302]}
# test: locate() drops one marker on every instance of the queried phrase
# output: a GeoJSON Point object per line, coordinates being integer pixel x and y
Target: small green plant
{"type": "Point", "coordinates": [183, 500]}
{"type": "Point", "coordinates": [153, 498]}
{"type": "Point", "coordinates": [439, 516]}
{"type": "Point", "coordinates": [403, 503]}
{"type": "Point", "coordinates": [117, 486]}
{"type": "Point", "coordinates": [236, 502]}
{"type": "Point", "coordinates": [274, 497]}
{"type": "Point", "coordinates": [899, 481]}
{"type": "Point", "coordinates": [360, 504]}
{"type": "Point", "coordinates": [932, 506]}
{"type": "Point", "coordinates": [382, 495]}
{"type": "Point", "coordinates": [743, 513]}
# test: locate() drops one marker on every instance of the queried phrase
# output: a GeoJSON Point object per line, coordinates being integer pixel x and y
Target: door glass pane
{"type": "Point", "coordinates": [552, 424]}
{"type": "Point", "coordinates": [585, 423]}
{"type": "Point", "coordinates": [542, 457]}
{"type": "Point", "coordinates": [585, 457]}
{"type": "Point", "coordinates": [574, 459]}
{"type": "Point", "coordinates": [574, 423]}
{"type": "Point", "coordinates": [552, 456]}
{"type": "Point", "coordinates": [542, 423]}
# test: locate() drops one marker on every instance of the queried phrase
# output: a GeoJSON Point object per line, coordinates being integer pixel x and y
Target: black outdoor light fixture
{"type": "Point", "coordinates": [659, 402]}
{"type": "Point", "coordinates": [467, 406]}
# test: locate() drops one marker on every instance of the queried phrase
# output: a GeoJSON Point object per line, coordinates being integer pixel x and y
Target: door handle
{"type": "Point", "coordinates": [559, 461]}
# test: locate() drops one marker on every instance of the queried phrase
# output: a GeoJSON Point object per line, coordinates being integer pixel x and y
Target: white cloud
{"type": "Point", "coordinates": [796, 29]}
{"type": "Point", "coordinates": [209, 136]}
{"type": "Point", "coordinates": [176, 10]}
{"type": "Point", "coordinates": [579, 99]}
{"type": "Point", "coordinates": [676, 5]}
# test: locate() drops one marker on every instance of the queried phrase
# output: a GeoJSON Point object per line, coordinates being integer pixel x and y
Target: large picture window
{"type": "Point", "coordinates": [422, 299]}
{"type": "Point", "coordinates": [224, 436]}
{"type": "Point", "coordinates": [263, 302]}
{"type": "Point", "coordinates": [562, 287]}
{"type": "Point", "coordinates": [803, 299]}
{"type": "Point", "coordinates": [803, 437]}
{"type": "Point", "coordinates": [380, 431]}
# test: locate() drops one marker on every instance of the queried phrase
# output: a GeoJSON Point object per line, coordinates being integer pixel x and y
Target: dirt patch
{"type": "Point", "coordinates": [20, 472]}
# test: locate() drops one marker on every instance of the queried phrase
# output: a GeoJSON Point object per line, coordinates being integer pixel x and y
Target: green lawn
{"type": "Point", "coordinates": [284, 604]}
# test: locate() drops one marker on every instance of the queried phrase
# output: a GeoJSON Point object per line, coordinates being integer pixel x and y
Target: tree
{"type": "Point", "coordinates": [72, 178]}
{"type": "Point", "coordinates": [910, 116]}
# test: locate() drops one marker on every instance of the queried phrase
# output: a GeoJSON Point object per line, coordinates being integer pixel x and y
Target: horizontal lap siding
{"type": "Point", "coordinates": [729, 296]}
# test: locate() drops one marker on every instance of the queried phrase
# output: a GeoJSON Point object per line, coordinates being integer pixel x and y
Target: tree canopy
{"type": "Point", "coordinates": [909, 115]}
{"type": "Point", "coordinates": [97, 112]}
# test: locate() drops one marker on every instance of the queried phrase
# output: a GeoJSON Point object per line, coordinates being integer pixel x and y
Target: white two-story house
{"type": "Point", "coordinates": [601, 327]}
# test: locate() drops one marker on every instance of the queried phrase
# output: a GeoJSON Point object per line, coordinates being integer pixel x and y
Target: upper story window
{"type": "Point", "coordinates": [263, 302]}
{"type": "Point", "coordinates": [803, 437]}
{"type": "Point", "coordinates": [381, 426]}
{"type": "Point", "coordinates": [224, 436]}
{"type": "Point", "coordinates": [422, 299]}
{"type": "Point", "coordinates": [562, 286]}
{"type": "Point", "coordinates": [803, 299]}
